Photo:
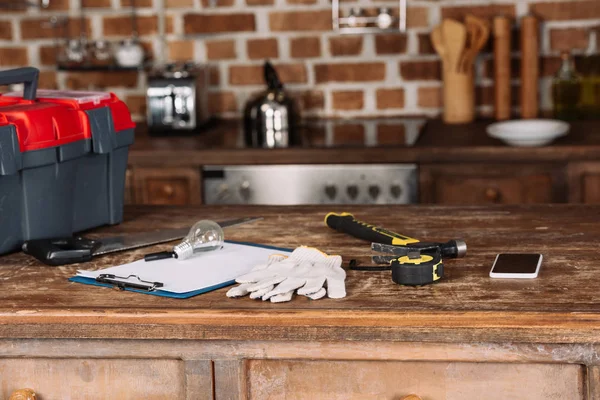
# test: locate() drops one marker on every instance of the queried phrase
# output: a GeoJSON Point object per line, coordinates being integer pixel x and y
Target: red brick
{"type": "Point", "coordinates": [425, 45]}
{"type": "Point", "coordinates": [47, 80]}
{"type": "Point", "coordinates": [345, 45]}
{"type": "Point", "coordinates": [349, 72]}
{"type": "Point", "coordinates": [13, 57]}
{"type": "Point", "coordinates": [301, 1]}
{"type": "Point", "coordinates": [56, 5]}
{"type": "Point", "coordinates": [178, 3]}
{"type": "Point", "coordinates": [417, 17]}
{"type": "Point", "coordinates": [430, 97]}
{"type": "Point", "coordinates": [101, 80]}
{"type": "Point", "coordinates": [568, 39]}
{"type": "Point", "coordinates": [95, 3]}
{"type": "Point", "coordinates": [390, 43]}
{"type": "Point", "coordinates": [390, 98]}
{"type": "Point", "coordinates": [39, 28]}
{"type": "Point", "coordinates": [311, 100]}
{"type": "Point", "coordinates": [391, 134]}
{"type": "Point", "coordinates": [420, 70]}
{"type": "Point", "coordinates": [254, 74]}
{"type": "Point", "coordinates": [222, 102]}
{"type": "Point", "coordinates": [138, 3]}
{"type": "Point", "coordinates": [48, 55]}
{"type": "Point", "coordinates": [567, 10]}
{"type": "Point", "coordinates": [220, 50]}
{"type": "Point", "coordinates": [486, 11]}
{"type": "Point", "coordinates": [6, 30]}
{"type": "Point", "coordinates": [305, 47]}
{"type": "Point", "coordinates": [260, 2]}
{"type": "Point", "coordinates": [349, 134]}
{"type": "Point", "coordinates": [348, 100]}
{"type": "Point", "coordinates": [136, 104]}
{"type": "Point", "coordinates": [121, 25]}
{"type": "Point", "coordinates": [300, 21]}
{"type": "Point", "coordinates": [262, 49]}
{"type": "Point", "coordinates": [216, 23]}
{"type": "Point", "coordinates": [181, 50]}
{"type": "Point", "coordinates": [214, 76]}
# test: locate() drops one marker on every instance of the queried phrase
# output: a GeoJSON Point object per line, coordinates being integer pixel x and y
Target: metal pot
{"type": "Point", "coordinates": [271, 118]}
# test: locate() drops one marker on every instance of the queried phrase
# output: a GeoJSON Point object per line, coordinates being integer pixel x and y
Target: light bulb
{"type": "Point", "coordinates": [205, 235]}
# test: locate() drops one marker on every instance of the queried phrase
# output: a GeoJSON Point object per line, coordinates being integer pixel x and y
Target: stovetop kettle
{"type": "Point", "coordinates": [271, 118]}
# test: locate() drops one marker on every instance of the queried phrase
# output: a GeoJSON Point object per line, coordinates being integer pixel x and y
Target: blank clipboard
{"type": "Point", "coordinates": [182, 279]}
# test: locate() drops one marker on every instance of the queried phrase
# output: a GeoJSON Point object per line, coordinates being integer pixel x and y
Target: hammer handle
{"type": "Point", "coordinates": [346, 223]}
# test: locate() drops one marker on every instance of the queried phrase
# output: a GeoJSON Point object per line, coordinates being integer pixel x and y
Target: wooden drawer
{"type": "Point", "coordinates": [274, 379]}
{"type": "Point", "coordinates": [491, 184]}
{"type": "Point", "coordinates": [172, 186]}
{"type": "Point", "coordinates": [83, 379]}
{"type": "Point", "coordinates": [584, 183]}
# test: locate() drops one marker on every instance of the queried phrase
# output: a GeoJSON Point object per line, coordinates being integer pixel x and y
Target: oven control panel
{"type": "Point", "coordinates": [311, 184]}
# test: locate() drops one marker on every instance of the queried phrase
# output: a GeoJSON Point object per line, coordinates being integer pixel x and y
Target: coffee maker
{"type": "Point", "coordinates": [176, 98]}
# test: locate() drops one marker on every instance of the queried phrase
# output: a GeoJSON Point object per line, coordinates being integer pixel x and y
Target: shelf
{"type": "Point", "coordinates": [367, 29]}
{"type": "Point", "coordinates": [97, 68]}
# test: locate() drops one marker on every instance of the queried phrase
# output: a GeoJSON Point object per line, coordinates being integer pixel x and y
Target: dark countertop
{"type": "Point", "coordinates": [390, 141]}
{"type": "Point", "coordinates": [561, 306]}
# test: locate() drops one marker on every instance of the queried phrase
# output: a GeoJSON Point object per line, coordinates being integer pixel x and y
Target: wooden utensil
{"type": "Point", "coordinates": [454, 35]}
{"type": "Point", "coordinates": [438, 44]}
{"type": "Point", "coordinates": [502, 73]}
{"type": "Point", "coordinates": [478, 32]}
{"type": "Point", "coordinates": [529, 66]}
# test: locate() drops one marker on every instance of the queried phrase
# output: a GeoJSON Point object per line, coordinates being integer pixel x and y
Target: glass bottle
{"type": "Point", "coordinates": [590, 75]}
{"type": "Point", "coordinates": [566, 90]}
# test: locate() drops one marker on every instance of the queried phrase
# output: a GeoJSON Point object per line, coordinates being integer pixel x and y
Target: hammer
{"type": "Point", "coordinates": [346, 223]}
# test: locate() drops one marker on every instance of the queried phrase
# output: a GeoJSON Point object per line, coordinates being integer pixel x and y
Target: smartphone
{"type": "Point", "coordinates": [516, 265]}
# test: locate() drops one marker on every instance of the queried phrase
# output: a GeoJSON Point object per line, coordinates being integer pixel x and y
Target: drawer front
{"type": "Point", "coordinates": [491, 184]}
{"type": "Point", "coordinates": [273, 379]}
{"type": "Point", "coordinates": [176, 186]}
{"type": "Point", "coordinates": [61, 379]}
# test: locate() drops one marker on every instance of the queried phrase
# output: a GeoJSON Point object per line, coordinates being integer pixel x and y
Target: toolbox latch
{"type": "Point", "coordinates": [103, 130]}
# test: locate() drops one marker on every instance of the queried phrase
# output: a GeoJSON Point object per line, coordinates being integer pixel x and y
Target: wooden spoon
{"type": "Point", "coordinates": [479, 32]}
{"type": "Point", "coordinates": [438, 44]}
{"type": "Point", "coordinates": [455, 35]}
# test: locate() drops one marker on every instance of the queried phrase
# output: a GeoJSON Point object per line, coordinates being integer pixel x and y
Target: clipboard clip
{"type": "Point", "coordinates": [121, 282]}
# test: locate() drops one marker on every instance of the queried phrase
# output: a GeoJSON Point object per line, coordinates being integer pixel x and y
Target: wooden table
{"type": "Point", "coordinates": [467, 337]}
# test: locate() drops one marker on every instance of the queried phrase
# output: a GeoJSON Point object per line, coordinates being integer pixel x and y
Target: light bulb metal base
{"type": "Point", "coordinates": [183, 250]}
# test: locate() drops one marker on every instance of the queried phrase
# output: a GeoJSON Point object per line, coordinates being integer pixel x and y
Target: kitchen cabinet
{"type": "Point", "coordinates": [166, 186]}
{"type": "Point", "coordinates": [492, 183]}
{"type": "Point", "coordinates": [584, 179]}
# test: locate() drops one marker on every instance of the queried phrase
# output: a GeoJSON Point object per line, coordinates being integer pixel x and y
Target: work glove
{"type": "Point", "coordinates": [306, 270]}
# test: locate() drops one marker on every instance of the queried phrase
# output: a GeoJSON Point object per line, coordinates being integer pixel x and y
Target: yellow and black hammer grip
{"type": "Point", "coordinates": [346, 223]}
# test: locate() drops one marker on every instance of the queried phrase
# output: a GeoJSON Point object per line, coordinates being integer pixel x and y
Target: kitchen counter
{"type": "Point", "coordinates": [393, 140]}
{"type": "Point", "coordinates": [543, 330]}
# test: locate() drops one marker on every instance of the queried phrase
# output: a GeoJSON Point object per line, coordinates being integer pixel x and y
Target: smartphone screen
{"type": "Point", "coordinates": [521, 265]}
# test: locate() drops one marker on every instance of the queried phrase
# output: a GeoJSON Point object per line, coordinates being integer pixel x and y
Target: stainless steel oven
{"type": "Point", "coordinates": [311, 184]}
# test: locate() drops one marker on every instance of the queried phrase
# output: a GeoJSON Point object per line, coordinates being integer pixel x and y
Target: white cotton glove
{"type": "Point", "coordinates": [305, 270]}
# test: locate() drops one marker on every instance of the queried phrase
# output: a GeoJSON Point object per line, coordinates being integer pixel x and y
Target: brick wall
{"type": "Point", "coordinates": [332, 74]}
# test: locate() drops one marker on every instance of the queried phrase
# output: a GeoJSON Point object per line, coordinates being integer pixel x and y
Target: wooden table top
{"type": "Point", "coordinates": [347, 143]}
{"type": "Point", "coordinates": [561, 306]}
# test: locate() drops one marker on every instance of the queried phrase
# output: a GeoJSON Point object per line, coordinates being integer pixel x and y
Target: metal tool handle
{"type": "Point", "coordinates": [63, 251]}
{"type": "Point", "coordinates": [346, 223]}
{"type": "Point", "coordinates": [26, 75]}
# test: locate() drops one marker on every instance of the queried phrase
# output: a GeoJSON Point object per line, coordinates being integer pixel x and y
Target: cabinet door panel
{"type": "Point", "coordinates": [349, 380]}
{"type": "Point", "coordinates": [491, 184]}
{"type": "Point", "coordinates": [91, 379]}
{"type": "Point", "coordinates": [584, 183]}
{"type": "Point", "coordinates": [171, 186]}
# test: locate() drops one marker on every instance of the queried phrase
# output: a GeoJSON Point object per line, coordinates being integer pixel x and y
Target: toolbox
{"type": "Point", "coordinates": [63, 159]}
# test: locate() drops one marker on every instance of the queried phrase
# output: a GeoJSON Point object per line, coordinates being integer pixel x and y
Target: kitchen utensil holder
{"type": "Point", "coordinates": [459, 97]}
{"type": "Point", "coordinates": [340, 24]}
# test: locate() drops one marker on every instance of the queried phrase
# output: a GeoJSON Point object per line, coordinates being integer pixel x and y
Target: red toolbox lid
{"type": "Point", "coordinates": [42, 125]}
{"type": "Point", "coordinates": [84, 100]}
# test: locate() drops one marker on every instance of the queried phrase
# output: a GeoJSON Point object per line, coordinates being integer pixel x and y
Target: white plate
{"type": "Point", "coordinates": [528, 132]}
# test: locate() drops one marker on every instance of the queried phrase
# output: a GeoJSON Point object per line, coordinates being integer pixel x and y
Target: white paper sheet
{"type": "Point", "coordinates": [199, 272]}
